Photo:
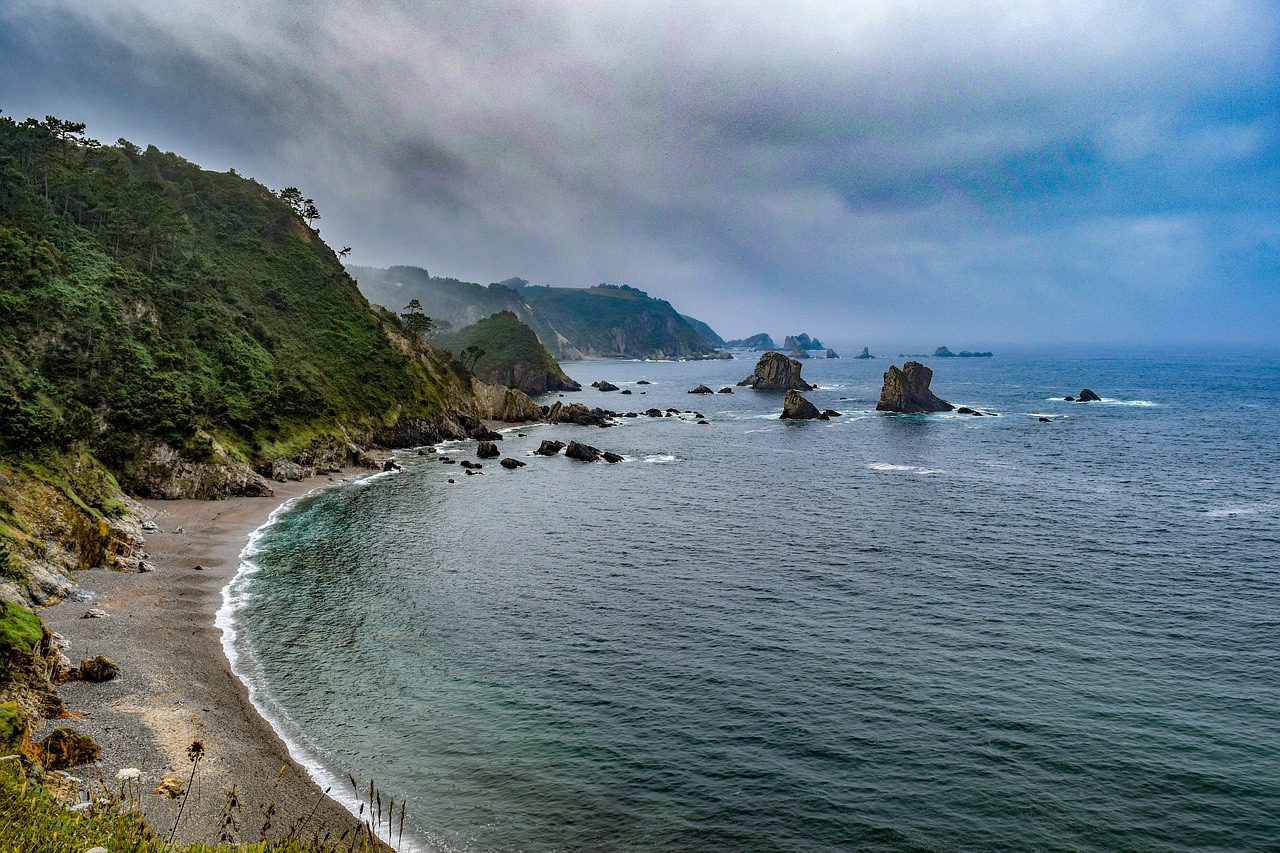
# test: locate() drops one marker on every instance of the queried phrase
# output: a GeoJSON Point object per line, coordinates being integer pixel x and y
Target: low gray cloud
{"type": "Point", "coordinates": [982, 171]}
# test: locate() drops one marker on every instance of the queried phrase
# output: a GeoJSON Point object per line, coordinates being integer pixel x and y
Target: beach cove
{"type": "Point", "coordinates": [175, 684]}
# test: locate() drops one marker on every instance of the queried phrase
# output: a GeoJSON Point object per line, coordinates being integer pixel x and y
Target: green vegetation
{"type": "Point", "coordinates": [504, 351]}
{"type": "Point", "coordinates": [33, 820]}
{"type": "Point", "coordinates": [20, 630]}
{"type": "Point", "coordinates": [148, 300]}
{"type": "Point", "coordinates": [603, 321]}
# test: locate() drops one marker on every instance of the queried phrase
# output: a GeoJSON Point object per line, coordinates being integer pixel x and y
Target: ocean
{"type": "Point", "coordinates": [880, 632]}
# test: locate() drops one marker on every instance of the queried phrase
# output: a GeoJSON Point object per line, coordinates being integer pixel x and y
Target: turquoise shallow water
{"type": "Point", "coordinates": [876, 633]}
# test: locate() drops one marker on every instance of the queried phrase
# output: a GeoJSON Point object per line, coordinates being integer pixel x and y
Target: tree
{"type": "Point", "coordinates": [470, 355]}
{"type": "Point", "coordinates": [417, 322]}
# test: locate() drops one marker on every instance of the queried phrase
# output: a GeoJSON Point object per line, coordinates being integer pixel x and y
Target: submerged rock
{"type": "Point", "coordinates": [511, 464]}
{"type": "Point", "coordinates": [907, 390]}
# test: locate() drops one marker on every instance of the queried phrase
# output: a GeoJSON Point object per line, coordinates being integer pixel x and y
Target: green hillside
{"type": "Point", "coordinates": [504, 351]}
{"type": "Point", "coordinates": [605, 321]}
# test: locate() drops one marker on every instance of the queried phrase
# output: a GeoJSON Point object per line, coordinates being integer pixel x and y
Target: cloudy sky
{"type": "Point", "coordinates": [969, 172]}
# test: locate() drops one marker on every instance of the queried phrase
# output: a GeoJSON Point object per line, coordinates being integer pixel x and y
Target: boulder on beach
{"type": "Point", "coordinates": [907, 390]}
{"type": "Point", "coordinates": [776, 372]}
{"type": "Point", "coordinates": [796, 407]}
{"type": "Point", "coordinates": [98, 669]}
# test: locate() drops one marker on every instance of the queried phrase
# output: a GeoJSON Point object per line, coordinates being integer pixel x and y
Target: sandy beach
{"type": "Point", "coordinates": [175, 684]}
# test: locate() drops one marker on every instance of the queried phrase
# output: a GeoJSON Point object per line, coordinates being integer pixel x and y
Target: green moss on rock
{"type": "Point", "coordinates": [20, 629]}
{"type": "Point", "coordinates": [13, 727]}
{"type": "Point", "coordinates": [65, 748]}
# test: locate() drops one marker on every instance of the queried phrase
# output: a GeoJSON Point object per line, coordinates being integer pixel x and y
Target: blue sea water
{"type": "Point", "coordinates": [880, 632]}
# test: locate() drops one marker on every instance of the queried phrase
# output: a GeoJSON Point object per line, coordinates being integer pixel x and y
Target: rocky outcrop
{"type": "Point", "coordinates": [505, 404]}
{"type": "Point", "coordinates": [604, 385]}
{"type": "Point", "coordinates": [511, 464]}
{"type": "Point", "coordinates": [907, 390]}
{"type": "Point", "coordinates": [166, 474]}
{"type": "Point", "coordinates": [1087, 396]}
{"type": "Point", "coordinates": [832, 353]}
{"type": "Point", "coordinates": [549, 447]}
{"type": "Point", "coordinates": [576, 413]}
{"type": "Point", "coordinates": [582, 452]}
{"type": "Point", "coordinates": [758, 342]}
{"type": "Point", "coordinates": [866, 353]}
{"type": "Point", "coordinates": [701, 389]}
{"type": "Point", "coordinates": [487, 450]}
{"type": "Point", "coordinates": [776, 372]}
{"type": "Point", "coordinates": [796, 407]}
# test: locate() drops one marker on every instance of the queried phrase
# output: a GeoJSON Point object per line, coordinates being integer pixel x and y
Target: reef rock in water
{"type": "Point", "coordinates": [907, 390]}
{"type": "Point", "coordinates": [776, 372]}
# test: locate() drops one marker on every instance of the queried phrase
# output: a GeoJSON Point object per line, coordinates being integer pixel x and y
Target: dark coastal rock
{"type": "Point", "coordinates": [796, 407]}
{"type": "Point", "coordinates": [391, 465]}
{"type": "Point", "coordinates": [604, 385]}
{"type": "Point", "coordinates": [549, 447]}
{"type": "Point", "coordinates": [866, 353]}
{"type": "Point", "coordinates": [943, 352]}
{"type": "Point", "coordinates": [907, 390]}
{"type": "Point", "coordinates": [469, 465]}
{"type": "Point", "coordinates": [1045, 420]}
{"type": "Point", "coordinates": [576, 413]}
{"type": "Point", "coordinates": [965, 410]}
{"type": "Point", "coordinates": [582, 452]}
{"type": "Point", "coordinates": [701, 389]}
{"type": "Point", "coordinates": [487, 450]}
{"type": "Point", "coordinates": [611, 458]}
{"type": "Point", "coordinates": [1086, 396]}
{"type": "Point", "coordinates": [625, 391]}
{"type": "Point", "coordinates": [830, 413]}
{"type": "Point", "coordinates": [643, 382]}
{"type": "Point", "coordinates": [832, 353]}
{"type": "Point", "coordinates": [511, 464]}
{"type": "Point", "coordinates": [1069, 398]}
{"type": "Point", "coordinates": [653, 413]}
{"type": "Point", "coordinates": [725, 390]}
{"type": "Point", "coordinates": [776, 372]}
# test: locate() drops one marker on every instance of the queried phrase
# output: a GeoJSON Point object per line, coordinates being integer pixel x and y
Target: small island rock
{"type": "Point", "coordinates": [1086, 396]}
{"type": "Point", "coordinates": [907, 390]}
{"type": "Point", "coordinates": [796, 407]}
{"type": "Point", "coordinates": [776, 372]}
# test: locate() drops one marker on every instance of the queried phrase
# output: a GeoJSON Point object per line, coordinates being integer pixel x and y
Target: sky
{"type": "Point", "coordinates": [964, 172]}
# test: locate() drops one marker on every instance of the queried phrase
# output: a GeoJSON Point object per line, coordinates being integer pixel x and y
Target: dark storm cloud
{"type": "Point", "coordinates": [882, 170]}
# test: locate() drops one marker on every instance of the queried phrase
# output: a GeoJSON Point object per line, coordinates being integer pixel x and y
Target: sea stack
{"type": "Point", "coordinates": [795, 407]}
{"type": "Point", "coordinates": [907, 390]}
{"type": "Point", "coordinates": [776, 372]}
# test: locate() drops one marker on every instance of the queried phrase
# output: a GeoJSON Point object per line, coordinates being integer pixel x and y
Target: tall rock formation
{"type": "Point", "coordinates": [907, 390]}
{"type": "Point", "coordinates": [776, 372]}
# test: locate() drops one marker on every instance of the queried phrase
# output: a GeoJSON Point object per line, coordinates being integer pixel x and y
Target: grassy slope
{"type": "Point", "coordinates": [511, 352]}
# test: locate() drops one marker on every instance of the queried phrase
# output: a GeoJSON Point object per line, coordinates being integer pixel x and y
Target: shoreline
{"type": "Point", "coordinates": [177, 685]}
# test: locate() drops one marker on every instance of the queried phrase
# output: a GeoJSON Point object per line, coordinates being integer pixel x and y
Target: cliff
{"type": "Point", "coordinates": [173, 332]}
{"type": "Point", "coordinates": [605, 321]}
